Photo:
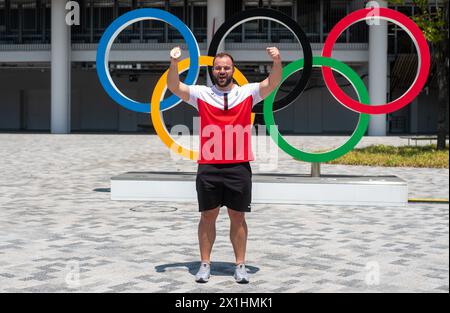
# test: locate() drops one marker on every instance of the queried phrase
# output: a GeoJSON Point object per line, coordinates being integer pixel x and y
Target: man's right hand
{"type": "Point", "coordinates": [173, 79]}
{"type": "Point", "coordinates": [175, 54]}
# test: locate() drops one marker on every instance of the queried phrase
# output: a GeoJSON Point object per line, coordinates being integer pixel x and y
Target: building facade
{"type": "Point", "coordinates": [48, 80]}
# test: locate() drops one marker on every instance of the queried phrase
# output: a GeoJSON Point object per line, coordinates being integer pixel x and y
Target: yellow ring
{"type": "Point", "coordinates": [157, 97]}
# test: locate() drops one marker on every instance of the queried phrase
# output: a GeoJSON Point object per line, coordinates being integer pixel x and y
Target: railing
{"type": "Point", "coordinates": [28, 22]}
{"type": "Point", "coordinates": [168, 46]}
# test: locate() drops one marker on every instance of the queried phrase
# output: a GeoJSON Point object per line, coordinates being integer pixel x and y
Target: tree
{"type": "Point", "coordinates": [435, 27]}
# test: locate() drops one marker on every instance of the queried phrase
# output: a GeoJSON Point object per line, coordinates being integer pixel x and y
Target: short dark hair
{"type": "Point", "coordinates": [221, 55]}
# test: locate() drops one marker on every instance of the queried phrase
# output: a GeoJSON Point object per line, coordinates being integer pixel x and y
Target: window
{"type": "Point", "coordinates": [29, 13]}
{"type": "Point", "coordinates": [334, 11]}
{"type": "Point", "coordinates": [308, 17]}
{"type": "Point", "coordinates": [399, 40]}
{"type": "Point", "coordinates": [2, 15]}
{"type": "Point", "coordinates": [263, 30]}
{"type": "Point", "coordinates": [199, 21]}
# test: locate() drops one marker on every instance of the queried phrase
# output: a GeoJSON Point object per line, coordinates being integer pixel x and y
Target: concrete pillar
{"type": "Point", "coordinates": [61, 66]}
{"type": "Point", "coordinates": [378, 61]}
{"type": "Point", "coordinates": [216, 17]}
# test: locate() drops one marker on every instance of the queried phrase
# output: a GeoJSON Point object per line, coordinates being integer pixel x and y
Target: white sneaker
{"type": "Point", "coordinates": [241, 275]}
{"type": "Point", "coordinates": [203, 273]}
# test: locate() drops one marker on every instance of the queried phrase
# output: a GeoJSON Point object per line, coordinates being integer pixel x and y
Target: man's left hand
{"type": "Point", "coordinates": [274, 53]}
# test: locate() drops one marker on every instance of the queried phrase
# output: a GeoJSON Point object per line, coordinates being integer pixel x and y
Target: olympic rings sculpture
{"type": "Point", "coordinates": [325, 61]}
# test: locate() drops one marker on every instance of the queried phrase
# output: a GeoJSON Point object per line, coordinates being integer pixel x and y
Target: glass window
{"type": "Point", "coordinates": [29, 19]}
{"type": "Point", "coordinates": [124, 6]}
{"type": "Point", "coordinates": [334, 11]}
{"type": "Point", "coordinates": [199, 22]}
{"type": "Point", "coordinates": [308, 17]}
{"type": "Point", "coordinates": [14, 17]}
{"type": "Point", "coordinates": [263, 30]}
{"type": "Point", "coordinates": [176, 8]}
{"type": "Point", "coordinates": [153, 31]}
{"type": "Point", "coordinates": [2, 16]}
{"type": "Point", "coordinates": [359, 32]}
{"type": "Point", "coordinates": [276, 31]}
{"type": "Point", "coordinates": [256, 30]}
{"type": "Point", "coordinates": [403, 43]}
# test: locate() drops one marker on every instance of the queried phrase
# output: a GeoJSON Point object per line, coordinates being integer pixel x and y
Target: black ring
{"type": "Point", "coordinates": [282, 18]}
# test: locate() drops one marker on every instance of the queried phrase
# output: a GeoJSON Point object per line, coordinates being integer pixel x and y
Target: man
{"type": "Point", "coordinates": [224, 172]}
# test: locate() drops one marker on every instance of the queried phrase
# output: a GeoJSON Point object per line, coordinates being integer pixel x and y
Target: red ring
{"type": "Point", "coordinates": [421, 45]}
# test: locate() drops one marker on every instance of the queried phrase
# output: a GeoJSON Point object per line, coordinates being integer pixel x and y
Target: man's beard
{"type": "Point", "coordinates": [227, 81]}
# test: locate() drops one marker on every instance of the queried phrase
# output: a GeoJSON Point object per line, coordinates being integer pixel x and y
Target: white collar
{"type": "Point", "coordinates": [220, 92]}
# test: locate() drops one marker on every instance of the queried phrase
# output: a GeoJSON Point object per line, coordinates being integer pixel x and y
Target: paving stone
{"type": "Point", "coordinates": [60, 232]}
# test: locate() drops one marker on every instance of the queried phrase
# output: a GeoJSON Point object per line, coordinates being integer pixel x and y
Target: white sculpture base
{"type": "Point", "coordinates": [268, 188]}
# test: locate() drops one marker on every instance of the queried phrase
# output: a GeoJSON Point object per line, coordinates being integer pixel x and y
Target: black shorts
{"type": "Point", "coordinates": [227, 185]}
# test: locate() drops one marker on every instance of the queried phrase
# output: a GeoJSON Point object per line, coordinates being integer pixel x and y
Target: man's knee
{"type": "Point", "coordinates": [210, 216]}
{"type": "Point", "coordinates": [236, 217]}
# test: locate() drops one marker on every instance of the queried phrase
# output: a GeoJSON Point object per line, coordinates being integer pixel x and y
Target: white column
{"type": "Point", "coordinates": [216, 17]}
{"type": "Point", "coordinates": [378, 52]}
{"type": "Point", "coordinates": [61, 66]}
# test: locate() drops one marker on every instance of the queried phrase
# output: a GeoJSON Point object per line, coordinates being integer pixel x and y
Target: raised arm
{"type": "Point", "coordinates": [174, 84]}
{"type": "Point", "coordinates": [267, 86]}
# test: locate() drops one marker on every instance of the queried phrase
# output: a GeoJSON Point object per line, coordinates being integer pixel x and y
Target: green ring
{"type": "Point", "coordinates": [358, 134]}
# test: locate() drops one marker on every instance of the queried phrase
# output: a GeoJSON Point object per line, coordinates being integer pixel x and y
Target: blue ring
{"type": "Point", "coordinates": [114, 30]}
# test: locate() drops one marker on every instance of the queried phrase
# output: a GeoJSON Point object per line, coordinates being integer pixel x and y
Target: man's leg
{"type": "Point", "coordinates": [207, 233]}
{"type": "Point", "coordinates": [238, 234]}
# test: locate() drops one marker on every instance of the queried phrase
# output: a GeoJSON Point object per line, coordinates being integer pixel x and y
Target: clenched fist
{"type": "Point", "coordinates": [274, 53]}
{"type": "Point", "coordinates": [175, 53]}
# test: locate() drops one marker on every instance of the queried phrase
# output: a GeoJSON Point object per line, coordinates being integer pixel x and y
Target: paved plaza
{"type": "Point", "coordinates": [60, 232]}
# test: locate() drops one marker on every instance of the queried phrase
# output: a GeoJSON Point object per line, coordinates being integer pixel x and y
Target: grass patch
{"type": "Point", "coordinates": [389, 156]}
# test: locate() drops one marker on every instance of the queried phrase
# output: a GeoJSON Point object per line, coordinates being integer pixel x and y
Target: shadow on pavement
{"type": "Point", "coordinates": [102, 190]}
{"type": "Point", "coordinates": [217, 268]}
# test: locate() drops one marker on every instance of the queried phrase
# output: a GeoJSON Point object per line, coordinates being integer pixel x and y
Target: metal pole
{"type": "Point", "coordinates": [315, 169]}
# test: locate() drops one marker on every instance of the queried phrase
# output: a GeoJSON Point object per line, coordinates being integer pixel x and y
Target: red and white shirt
{"type": "Point", "coordinates": [225, 122]}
